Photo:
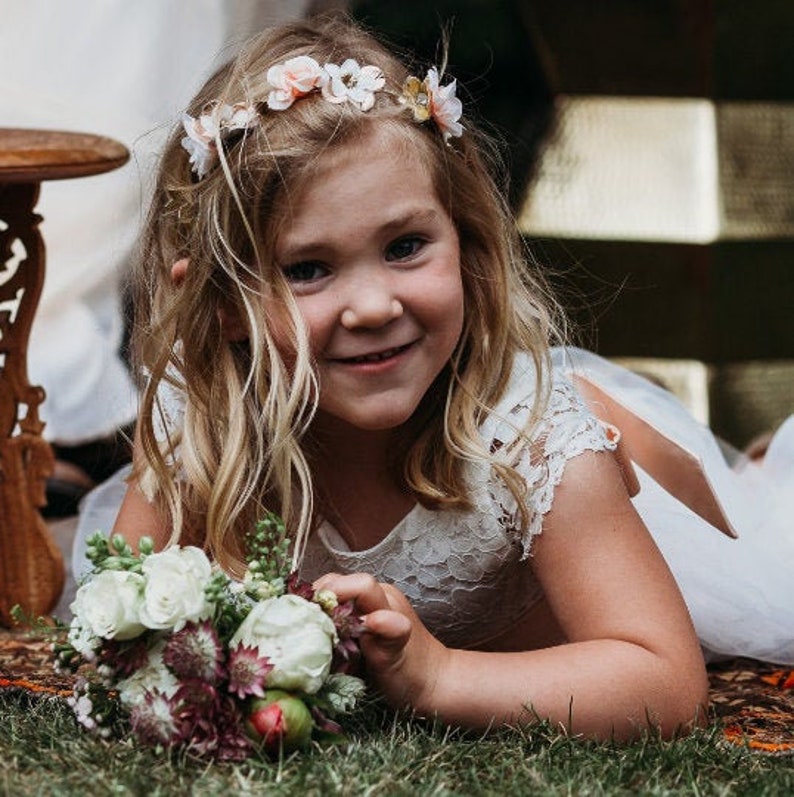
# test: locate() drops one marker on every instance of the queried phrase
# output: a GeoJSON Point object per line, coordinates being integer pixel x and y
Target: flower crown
{"type": "Point", "coordinates": [338, 83]}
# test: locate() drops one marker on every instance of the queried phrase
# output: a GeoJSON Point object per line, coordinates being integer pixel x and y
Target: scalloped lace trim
{"type": "Point", "coordinates": [566, 430]}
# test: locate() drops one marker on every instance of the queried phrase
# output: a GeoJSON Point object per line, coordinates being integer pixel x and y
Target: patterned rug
{"type": "Point", "coordinates": [753, 701]}
{"type": "Point", "coordinates": [755, 704]}
{"type": "Point", "coordinates": [26, 664]}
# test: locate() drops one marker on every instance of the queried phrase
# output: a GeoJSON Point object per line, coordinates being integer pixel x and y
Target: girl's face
{"type": "Point", "coordinates": [374, 264]}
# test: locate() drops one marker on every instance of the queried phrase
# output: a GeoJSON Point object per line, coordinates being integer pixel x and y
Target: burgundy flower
{"type": "Point", "coordinates": [195, 652]}
{"type": "Point", "coordinates": [153, 720]}
{"type": "Point", "coordinates": [349, 627]}
{"type": "Point", "coordinates": [124, 658]}
{"type": "Point", "coordinates": [247, 671]}
{"type": "Point", "coordinates": [233, 742]}
{"type": "Point", "coordinates": [211, 723]}
{"type": "Point", "coordinates": [295, 586]}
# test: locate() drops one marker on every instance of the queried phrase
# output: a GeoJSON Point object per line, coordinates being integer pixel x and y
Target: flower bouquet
{"type": "Point", "coordinates": [172, 648]}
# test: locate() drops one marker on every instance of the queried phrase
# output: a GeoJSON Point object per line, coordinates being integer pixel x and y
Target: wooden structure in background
{"type": "Point", "coordinates": [665, 201]}
{"type": "Point", "coordinates": [31, 566]}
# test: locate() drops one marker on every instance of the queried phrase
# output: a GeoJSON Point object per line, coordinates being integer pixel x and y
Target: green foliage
{"type": "Point", "coordinates": [44, 753]}
{"type": "Point", "coordinates": [116, 553]}
{"type": "Point", "coordinates": [267, 549]}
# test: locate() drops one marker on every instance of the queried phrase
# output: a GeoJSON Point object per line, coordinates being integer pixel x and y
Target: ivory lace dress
{"type": "Point", "coordinates": [469, 574]}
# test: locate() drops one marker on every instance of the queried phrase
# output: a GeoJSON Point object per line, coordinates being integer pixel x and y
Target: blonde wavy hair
{"type": "Point", "coordinates": [241, 450]}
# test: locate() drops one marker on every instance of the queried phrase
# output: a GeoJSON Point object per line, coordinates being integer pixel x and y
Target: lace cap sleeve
{"type": "Point", "coordinates": [168, 418]}
{"type": "Point", "coordinates": [168, 412]}
{"type": "Point", "coordinates": [566, 429]}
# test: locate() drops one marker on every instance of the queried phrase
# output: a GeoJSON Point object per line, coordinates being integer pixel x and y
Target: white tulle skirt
{"type": "Point", "coordinates": [740, 591]}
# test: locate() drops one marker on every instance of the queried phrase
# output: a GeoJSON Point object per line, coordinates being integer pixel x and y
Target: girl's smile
{"type": "Point", "coordinates": [387, 356]}
{"type": "Point", "coordinates": [374, 263]}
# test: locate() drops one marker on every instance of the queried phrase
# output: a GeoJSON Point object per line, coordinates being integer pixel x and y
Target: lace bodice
{"type": "Point", "coordinates": [469, 574]}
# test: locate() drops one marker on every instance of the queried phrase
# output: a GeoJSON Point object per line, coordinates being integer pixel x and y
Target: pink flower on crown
{"type": "Point", "coordinates": [350, 82]}
{"type": "Point", "coordinates": [198, 142]}
{"type": "Point", "coordinates": [445, 107]}
{"type": "Point", "coordinates": [217, 120]}
{"type": "Point", "coordinates": [292, 79]}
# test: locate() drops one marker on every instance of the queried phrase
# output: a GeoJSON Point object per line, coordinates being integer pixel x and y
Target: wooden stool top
{"type": "Point", "coordinates": [30, 156]}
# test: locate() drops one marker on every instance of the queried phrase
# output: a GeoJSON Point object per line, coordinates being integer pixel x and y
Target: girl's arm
{"type": "Point", "coordinates": [137, 517]}
{"type": "Point", "coordinates": [632, 657]}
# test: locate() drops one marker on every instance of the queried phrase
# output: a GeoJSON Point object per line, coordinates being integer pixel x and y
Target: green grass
{"type": "Point", "coordinates": [43, 752]}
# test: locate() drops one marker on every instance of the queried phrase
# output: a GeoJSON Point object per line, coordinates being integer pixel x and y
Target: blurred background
{"type": "Point", "coordinates": [651, 154]}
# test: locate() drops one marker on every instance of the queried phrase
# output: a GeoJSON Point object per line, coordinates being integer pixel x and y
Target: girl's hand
{"type": "Point", "coordinates": [403, 658]}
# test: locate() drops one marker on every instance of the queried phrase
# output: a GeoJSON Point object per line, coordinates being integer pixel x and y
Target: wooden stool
{"type": "Point", "coordinates": [31, 565]}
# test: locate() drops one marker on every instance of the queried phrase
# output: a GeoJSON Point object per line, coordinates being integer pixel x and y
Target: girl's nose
{"type": "Point", "coordinates": [371, 304]}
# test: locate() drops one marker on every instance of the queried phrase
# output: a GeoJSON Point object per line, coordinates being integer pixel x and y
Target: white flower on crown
{"type": "Point", "coordinates": [201, 141]}
{"type": "Point", "coordinates": [350, 82]}
{"type": "Point", "coordinates": [294, 78]}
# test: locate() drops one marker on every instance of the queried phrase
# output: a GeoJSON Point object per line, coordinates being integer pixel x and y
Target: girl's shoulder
{"type": "Point", "coordinates": [535, 440]}
{"type": "Point", "coordinates": [562, 422]}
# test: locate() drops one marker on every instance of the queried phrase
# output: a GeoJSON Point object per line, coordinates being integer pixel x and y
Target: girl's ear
{"type": "Point", "coordinates": [232, 327]}
{"type": "Point", "coordinates": [178, 271]}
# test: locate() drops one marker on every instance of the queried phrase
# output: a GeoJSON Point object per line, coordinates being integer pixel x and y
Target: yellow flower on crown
{"type": "Point", "coordinates": [416, 96]}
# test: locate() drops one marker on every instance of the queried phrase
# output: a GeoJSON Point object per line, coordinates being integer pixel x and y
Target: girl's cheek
{"type": "Point", "coordinates": [285, 335]}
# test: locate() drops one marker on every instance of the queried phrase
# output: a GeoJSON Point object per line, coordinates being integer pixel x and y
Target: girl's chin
{"type": "Point", "coordinates": [375, 423]}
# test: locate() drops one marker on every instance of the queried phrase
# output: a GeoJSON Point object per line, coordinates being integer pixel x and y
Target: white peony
{"type": "Point", "coordinates": [174, 593]}
{"type": "Point", "coordinates": [296, 635]}
{"type": "Point", "coordinates": [108, 606]}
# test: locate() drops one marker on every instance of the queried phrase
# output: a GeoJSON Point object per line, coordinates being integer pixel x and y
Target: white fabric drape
{"type": "Point", "coordinates": [122, 69]}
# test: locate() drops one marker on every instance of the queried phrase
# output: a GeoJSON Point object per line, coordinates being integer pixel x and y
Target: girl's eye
{"type": "Point", "coordinates": [404, 248]}
{"type": "Point", "coordinates": [306, 271]}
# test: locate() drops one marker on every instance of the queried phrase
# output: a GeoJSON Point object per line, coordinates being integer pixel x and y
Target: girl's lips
{"type": "Point", "coordinates": [374, 357]}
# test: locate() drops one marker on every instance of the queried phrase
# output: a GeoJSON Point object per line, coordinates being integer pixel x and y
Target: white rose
{"type": "Point", "coordinates": [154, 675]}
{"type": "Point", "coordinates": [108, 606]}
{"type": "Point", "coordinates": [296, 635]}
{"type": "Point", "coordinates": [174, 591]}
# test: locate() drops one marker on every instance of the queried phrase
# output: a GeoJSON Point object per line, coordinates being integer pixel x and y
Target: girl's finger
{"type": "Point", "coordinates": [362, 588]}
{"type": "Point", "coordinates": [391, 628]}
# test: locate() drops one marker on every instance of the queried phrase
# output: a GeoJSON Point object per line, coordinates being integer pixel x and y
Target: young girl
{"type": "Point", "coordinates": [337, 324]}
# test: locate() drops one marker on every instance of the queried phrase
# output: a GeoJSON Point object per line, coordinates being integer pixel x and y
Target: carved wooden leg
{"type": "Point", "coordinates": [31, 565]}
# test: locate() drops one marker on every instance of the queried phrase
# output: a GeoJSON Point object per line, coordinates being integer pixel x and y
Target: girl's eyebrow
{"type": "Point", "coordinates": [297, 249]}
{"type": "Point", "coordinates": [418, 216]}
